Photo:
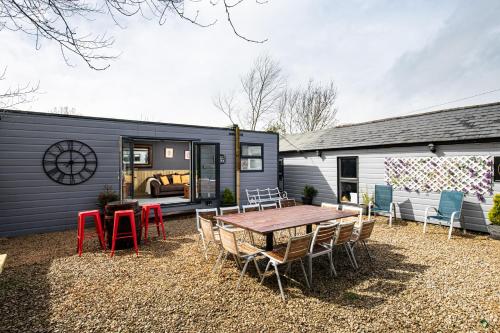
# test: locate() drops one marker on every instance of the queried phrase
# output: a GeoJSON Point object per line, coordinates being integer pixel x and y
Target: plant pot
{"type": "Point", "coordinates": [365, 209]}
{"type": "Point", "coordinates": [494, 231]}
{"type": "Point", "coordinates": [307, 200]}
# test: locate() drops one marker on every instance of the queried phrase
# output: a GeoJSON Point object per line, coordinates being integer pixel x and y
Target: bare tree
{"type": "Point", "coordinates": [11, 97]}
{"type": "Point", "coordinates": [58, 20]}
{"type": "Point", "coordinates": [226, 103]}
{"type": "Point", "coordinates": [262, 87]}
{"type": "Point", "coordinates": [307, 109]}
{"type": "Point", "coordinates": [316, 107]}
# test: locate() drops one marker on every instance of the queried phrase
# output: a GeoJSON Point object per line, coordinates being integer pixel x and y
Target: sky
{"type": "Point", "coordinates": [387, 58]}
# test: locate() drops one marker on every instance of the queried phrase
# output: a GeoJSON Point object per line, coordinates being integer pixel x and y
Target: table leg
{"type": "Point", "coordinates": [309, 228]}
{"type": "Point", "coordinates": [269, 241]}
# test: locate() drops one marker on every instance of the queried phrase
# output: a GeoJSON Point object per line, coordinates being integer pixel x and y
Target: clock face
{"type": "Point", "coordinates": [69, 162]}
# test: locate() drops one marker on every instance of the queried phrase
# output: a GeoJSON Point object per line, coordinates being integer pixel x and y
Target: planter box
{"type": "Point", "coordinates": [307, 201]}
{"type": "Point", "coordinates": [494, 231]}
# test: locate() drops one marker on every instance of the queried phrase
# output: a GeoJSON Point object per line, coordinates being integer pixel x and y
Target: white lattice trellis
{"type": "Point", "coordinates": [469, 174]}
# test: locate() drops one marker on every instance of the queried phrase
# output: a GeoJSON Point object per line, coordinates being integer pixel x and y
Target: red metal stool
{"type": "Point", "coordinates": [130, 234]}
{"type": "Point", "coordinates": [158, 219]}
{"type": "Point", "coordinates": [81, 229]}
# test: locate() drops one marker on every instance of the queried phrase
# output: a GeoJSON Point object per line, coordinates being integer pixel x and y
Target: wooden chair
{"type": "Point", "coordinates": [329, 205]}
{"type": "Point", "coordinates": [208, 234]}
{"type": "Point", "coordinates": [240, 250]}
{"type": "Point", "coordinates": [268, 206]}
{"type": "Point", "coordinates": [322, 244]}
{"type": "Point", "coordinates": [296, 249]}
{"type": "Point", "coordinates": [358, 210]}
{"type": "Point", "coordinates": [251, 208]}
{"type": "Point", "coordinates": [343, 238]}
{"type": "Point", "coordinates": [206, 213]}
{"type": "Point", "coordinates": [361, 235]}
{"type": "Point", "coordinates": [287, 203]}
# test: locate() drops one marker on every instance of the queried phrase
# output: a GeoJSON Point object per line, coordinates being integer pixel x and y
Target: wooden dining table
{"type": "Point", "coordinates": [268, 221]}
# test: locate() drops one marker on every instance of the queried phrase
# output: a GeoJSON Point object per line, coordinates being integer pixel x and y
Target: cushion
{"type": "Point", "coordinates": [172, 188]}
{"type": "Point", "coordinates": [176, 179]}
{"type": "Point", "coordinates": [185, 179]}
{"type": "Point", "coordinates": [164, 180]}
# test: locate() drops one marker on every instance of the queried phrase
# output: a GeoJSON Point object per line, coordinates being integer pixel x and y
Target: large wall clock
{"type": "Point", "coordinates": [70, 162]}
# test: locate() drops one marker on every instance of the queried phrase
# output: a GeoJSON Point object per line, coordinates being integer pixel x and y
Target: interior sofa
{"type": "Point", "coordinates": [172, 188]}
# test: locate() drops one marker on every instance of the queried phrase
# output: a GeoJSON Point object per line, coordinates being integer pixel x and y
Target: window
{"type": "Point", "coordinates": [348, 179]}
{"type": "Point", "coordinates": [252, 157]}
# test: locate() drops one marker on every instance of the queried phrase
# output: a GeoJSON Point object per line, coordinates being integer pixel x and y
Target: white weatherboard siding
{"type": "Point", "coordinates": [321, 172]}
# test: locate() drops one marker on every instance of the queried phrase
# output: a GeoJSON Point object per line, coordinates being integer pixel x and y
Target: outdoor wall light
{"type": "Point", "coordinates": [432, 147]}
{"type": "Point", "coordinates": [319, 153]}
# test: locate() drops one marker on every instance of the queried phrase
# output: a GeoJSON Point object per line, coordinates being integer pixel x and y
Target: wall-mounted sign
{"type": "Point", "coordinates": [222, 159]}
{"type": "Point", "coordinates": [496, 169]}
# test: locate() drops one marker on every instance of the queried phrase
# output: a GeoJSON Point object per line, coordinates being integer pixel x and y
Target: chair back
{"type": "Point", "coordinates": [206, 213]}
{"type": "Point", "coordinates": [366, 230]}
{"type": "Point", "coordinates": [287, 203]}
{"type": "Point", "coordinates": [344, 233]}
{"type": "Point", "coordinates": [358, 210]}
{"type": "Point", "coordinates": [207, 228]}
{"type": "Point", "coordinates": [228, 240]}
{"type": "Point", "coordinates": [252, 196]}
{"type": "Point", "coordinates": [329, 205]}
{"type": "Point", "coordinates": [297, 247]}
{"type": "Point", "coordinates": [449, 202]}
{"type": "Point", "coordinates": [229, 210]}
{"type": "Point", "coordinates": [264, 195]}
{"type": "Point", "coordinates": [383, 197]}
{"type": "Point", "coordinates": [251, 208]}
{"type": "Point", "coordinates": [268, 206]}
{"type": "Point", "coordinates": [274, 194]}
{"type": "Point", "coordinates": [324, 234]}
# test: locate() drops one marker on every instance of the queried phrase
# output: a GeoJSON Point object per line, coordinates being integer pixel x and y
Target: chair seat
{"type": "Point", "coordinates": [277, 254]}
{"type": "Point", "coordinates": [440, 217]}
{"type": "Point", "coordinates": [320, 249]}
{"type": "Point", "coordinates": [248, 249]}
{"type": "Point", "coordinates": [375, 209]}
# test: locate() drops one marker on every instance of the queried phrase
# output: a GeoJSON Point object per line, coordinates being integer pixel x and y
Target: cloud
{"type": "Point", "coordinates": [386, 58]}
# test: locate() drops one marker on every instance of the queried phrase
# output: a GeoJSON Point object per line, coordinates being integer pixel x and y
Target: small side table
{"type": "Point", "coordinates": [186, 191]}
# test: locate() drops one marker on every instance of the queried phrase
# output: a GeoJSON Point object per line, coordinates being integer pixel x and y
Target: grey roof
{"type": "Point", "coordinates": [470, 123]}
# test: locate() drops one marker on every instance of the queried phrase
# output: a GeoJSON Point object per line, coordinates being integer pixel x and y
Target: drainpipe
{"type": "Point", "coordinates": [237, 162]}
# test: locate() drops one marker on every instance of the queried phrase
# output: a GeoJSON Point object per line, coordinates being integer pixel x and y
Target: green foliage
{"type": "Point", "coordinates": [494, 213]}
{"type": "Point", "coordinates": [366, 198]}
{"type": "Point", "coordinates": [106, 196]}
{"type": "Point", "coordinates": [227, 197]}
{"type": "Point", "coordinates": [310, 191]}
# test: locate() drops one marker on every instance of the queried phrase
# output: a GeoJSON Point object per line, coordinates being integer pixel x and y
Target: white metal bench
{"type": "Point", "coordinates": [259, 196]}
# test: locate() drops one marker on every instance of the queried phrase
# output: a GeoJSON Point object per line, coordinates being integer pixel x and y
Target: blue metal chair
{"type": "Point", "coordinates": [449, 210]}
{"type": "Point", "coordinates": [383, 202]}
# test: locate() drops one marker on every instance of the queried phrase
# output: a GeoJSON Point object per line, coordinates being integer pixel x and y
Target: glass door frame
{"type": "Point", "coordinates": [341, 179]}
{"type": "Point", "coordinates": [191, 141]}
{"type": "Point", "coordinates": [195, 161]}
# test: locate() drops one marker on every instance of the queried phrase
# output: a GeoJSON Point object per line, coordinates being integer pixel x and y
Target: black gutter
{"type": "Point", "coordinates": [394, 145]}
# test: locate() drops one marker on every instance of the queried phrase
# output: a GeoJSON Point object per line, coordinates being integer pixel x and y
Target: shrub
{"type": "Point", "coordinates": [106, 196]}
{"type": "Point", "coordinates": [494, 213]}
{"type": "Point", "coordinates": [227, 197]}
{"type": "Point", "coordinates": [310, 191]}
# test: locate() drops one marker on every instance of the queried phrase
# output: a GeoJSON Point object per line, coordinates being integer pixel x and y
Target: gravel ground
{"type": "Point", "coordinates": [416, 283]}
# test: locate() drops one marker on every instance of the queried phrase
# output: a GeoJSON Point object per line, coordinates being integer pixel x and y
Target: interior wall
{"type": "Point", "coordinates": [160, 162]}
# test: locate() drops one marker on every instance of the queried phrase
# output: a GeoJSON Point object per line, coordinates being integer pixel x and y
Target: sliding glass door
{"type": "Point", "coordinates": [206, 166]}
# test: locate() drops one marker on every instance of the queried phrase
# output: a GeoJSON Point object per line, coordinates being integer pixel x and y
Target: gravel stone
{"type": "Point", "coordinates": [416, 283]}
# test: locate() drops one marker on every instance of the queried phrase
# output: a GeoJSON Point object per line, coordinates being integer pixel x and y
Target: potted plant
{"type": "Point", "coordinates": [494, 217]}
{"type": "Point", "coordinates": [309, 193]}
{"type": "Point", "coordinates": [228, 198]}
{"type": "Point", "coordinates": [366, 198]}
{"type": "Point", "coordinates": [106, 196]}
